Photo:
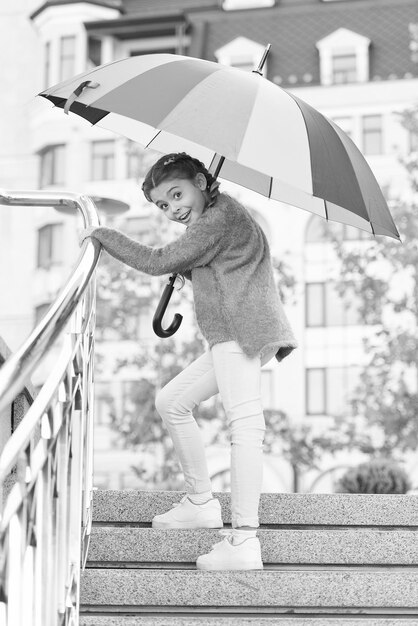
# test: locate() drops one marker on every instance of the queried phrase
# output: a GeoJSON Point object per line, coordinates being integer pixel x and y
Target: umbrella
{"type": "Point", "coordinates": [243, 127]}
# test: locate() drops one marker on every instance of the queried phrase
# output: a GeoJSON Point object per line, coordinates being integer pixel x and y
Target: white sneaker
{"type": "Point", "coordinates": [186, 514]}
{"type": "Point", "coordinates": [226, 555]}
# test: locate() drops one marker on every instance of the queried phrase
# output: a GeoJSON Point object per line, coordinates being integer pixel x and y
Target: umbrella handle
{"type": "Point", "coordinates": [159, 313]}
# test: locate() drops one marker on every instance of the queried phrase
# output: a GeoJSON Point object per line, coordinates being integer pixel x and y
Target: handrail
{"type": "Point", "coordinates": [47, 464]}
{"type": "Point", "coordinates": [17, 369]}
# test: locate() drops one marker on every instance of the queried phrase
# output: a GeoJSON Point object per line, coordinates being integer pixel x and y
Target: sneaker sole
{"type": "Point", "coordinates": [187, 525]}
{"type": "Point", "coordinates": [253, 566]}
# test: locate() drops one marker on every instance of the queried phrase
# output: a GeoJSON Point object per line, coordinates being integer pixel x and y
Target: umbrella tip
{"type": "Point", "coordinates": [259, 69]}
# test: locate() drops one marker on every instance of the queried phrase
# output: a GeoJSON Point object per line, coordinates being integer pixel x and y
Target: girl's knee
{"type": "Point", "coordinates": [248, 431]}
{"type": "Point", "coordinates": [161, 402]}
{"type": "Point", "coordinates": [170, 407]}
{"type": "Point", "coordinates": [247, 425]}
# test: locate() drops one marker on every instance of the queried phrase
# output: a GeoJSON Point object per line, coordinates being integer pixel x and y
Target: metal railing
{"type": "Point", "coordinates": [46, 466]}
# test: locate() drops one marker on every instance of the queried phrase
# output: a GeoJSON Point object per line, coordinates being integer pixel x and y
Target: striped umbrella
{"type": "Point", "coordinates": [245, 128]}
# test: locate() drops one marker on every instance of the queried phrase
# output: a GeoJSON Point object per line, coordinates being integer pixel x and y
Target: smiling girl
{"type": "Point", "coordinates": [225, 254]}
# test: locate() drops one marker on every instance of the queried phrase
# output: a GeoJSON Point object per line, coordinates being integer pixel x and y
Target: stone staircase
{"type": "Point", "coordinates": [329, 559]}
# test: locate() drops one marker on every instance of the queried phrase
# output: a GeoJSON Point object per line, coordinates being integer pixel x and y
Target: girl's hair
{"type": "Point", "coordinates": [177, 165]}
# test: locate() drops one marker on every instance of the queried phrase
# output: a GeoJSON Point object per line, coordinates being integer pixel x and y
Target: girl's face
{"type": "Point", "coordinates": [183, 200]}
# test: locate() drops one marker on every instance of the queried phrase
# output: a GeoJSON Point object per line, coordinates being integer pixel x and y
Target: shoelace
{"type": "Point", "coordinates": [181, 502]}
{"type": "Point", "coordinates": [228, 534]}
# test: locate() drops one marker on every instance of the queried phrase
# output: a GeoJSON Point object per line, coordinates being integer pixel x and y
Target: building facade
{"type": "Point", "coordinates": [356, 61]}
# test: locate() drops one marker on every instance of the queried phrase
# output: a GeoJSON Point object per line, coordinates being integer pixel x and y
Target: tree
{"type": "Point", "coordinates": [300, 444]}
{"type": "Point", "coordinates": [375, 476]}
{"type": "Point", "coordinates": [384, 277]}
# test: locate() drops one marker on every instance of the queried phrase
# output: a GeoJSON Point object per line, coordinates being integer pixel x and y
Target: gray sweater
{"type": "Point", "coordinates": [226, 255]}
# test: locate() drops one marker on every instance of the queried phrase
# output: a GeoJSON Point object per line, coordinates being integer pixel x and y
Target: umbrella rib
{"type": "Point", "coordinates": [153, 139]}
{"type": "Point", "coordinates": [371, 224]}
{"type": "Point", "coordinates": [212, 162]}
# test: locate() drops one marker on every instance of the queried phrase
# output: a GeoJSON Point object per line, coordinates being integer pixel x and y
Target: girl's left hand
{"type": "Point", "coordinates": [87, 232]}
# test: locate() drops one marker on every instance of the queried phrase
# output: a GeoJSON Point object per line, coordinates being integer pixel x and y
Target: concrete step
{"type": "Point", "coordinates": [281, 509]}
{"type": "Point", "coordinates": [216, 620]}
{"type": "Point", "coordinates": [127, 546]}
{"type": "Point", "coordinates": [354, 590]}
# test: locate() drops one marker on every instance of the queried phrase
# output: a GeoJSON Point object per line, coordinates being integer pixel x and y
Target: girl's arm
{"type": "Point", "coordinates": [196, 247]}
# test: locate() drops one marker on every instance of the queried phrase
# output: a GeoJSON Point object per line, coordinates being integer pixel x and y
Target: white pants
{"type": "Point", "coordinates": [227, 370]}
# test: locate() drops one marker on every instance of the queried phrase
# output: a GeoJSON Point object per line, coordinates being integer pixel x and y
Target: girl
{"type": "Point", "coordinates": [225, 254]}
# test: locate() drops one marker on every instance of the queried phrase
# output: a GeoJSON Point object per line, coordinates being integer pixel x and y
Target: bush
{"type": "Point", "coordinates": [376, 476]}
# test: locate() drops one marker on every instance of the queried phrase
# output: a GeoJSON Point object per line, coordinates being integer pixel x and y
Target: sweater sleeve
{"type": "Point", "coordinates": [195, 248]}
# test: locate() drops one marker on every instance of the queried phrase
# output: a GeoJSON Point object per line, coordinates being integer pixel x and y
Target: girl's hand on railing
{"type": "Point", "coordinates": [86, 232]}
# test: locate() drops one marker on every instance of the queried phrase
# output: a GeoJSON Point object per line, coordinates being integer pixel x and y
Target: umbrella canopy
{"type": "Point", "coordinates": [244, 127]}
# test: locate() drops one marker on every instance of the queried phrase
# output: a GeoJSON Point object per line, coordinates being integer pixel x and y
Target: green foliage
{"type": "Point", "coordinates": [375, 476]}
{"type": "Point", "coordinates": [120, 296]}
{"type": "Point", "coordinates": [302, 445]}
{"type": "Point", "coordinates": [383, 274]}
{"type": "Point", "coordinates": [285, 280]}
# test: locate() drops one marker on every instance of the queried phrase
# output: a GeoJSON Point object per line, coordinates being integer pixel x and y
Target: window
{"type": "Point", "coordinates": [104, 403]}
{"type": "Point", "coordinates": [119, 400]}
{"type": "Point", "coordinates": [341, 310]}
{"type": "Point", "coordinates": [413, 41]}
{"type": "Point", "coordinates": [315, 391]}
{"type": "Point", "coordinates": [315, 304]}
{"type": "Point", "coordinates": [242, 53]}
{"type": "Point", "coordinates": [243, 63]}
{"type": "Point", "coordinates": [372, 134]}
{"type": "Point", "coordinates": [344, 68]}
{"type": "Point", "coordinates": [47, 64]}
{"type": "Point", "coordinates": [138, 160]}
{"type": "Point", "coordinates": [231, 5]}
{"type": "Point", "coordinates": [346, 125]}
{"type": "Point", "coordinates": [134, 161]}
{"type": "Point", "coordinates": [103, 160]}
{"type": "Point", "coordinates": [94, 52]}
{"type": "Point", "coordinates": [343, 57]}
{"type": "Point", "coordinates": [318, 231]}
{"type": "Point", "coordinates": [325, 307]}
{"type": "Point", "coordinates": [52, 166]}
{"type": "Point", "coordinates": [169, 50]}
{"type": "Point", "coordinates": [50, 245]}
{"type": "Point", "coordinates": [173, 42]}
{"type": "Point", "coordinates": [328, 389]}
{"type": "Point", "coordinates": [67, 57]}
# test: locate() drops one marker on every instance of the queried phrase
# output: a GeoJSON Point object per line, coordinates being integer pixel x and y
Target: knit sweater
{"type": "Point", "coordinates": [226, 254]}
